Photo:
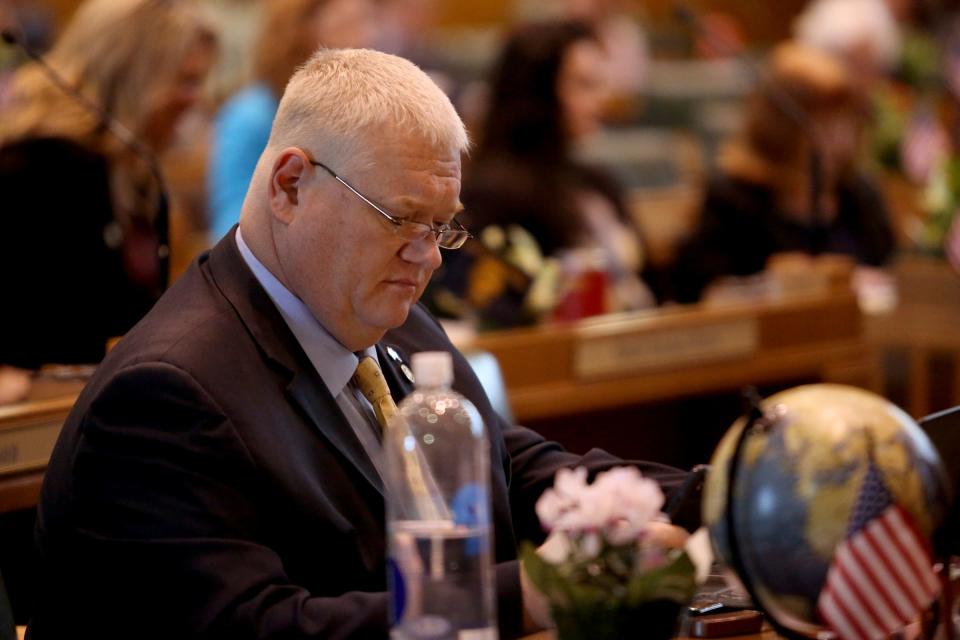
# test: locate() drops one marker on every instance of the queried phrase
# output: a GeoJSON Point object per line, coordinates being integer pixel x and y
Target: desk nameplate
{"type": "Point", "coordinates": [28, 432]}
{"type": "Point", "coordinates": [28, 446]}
{"type": "Point", "coordinates": [605, 356]}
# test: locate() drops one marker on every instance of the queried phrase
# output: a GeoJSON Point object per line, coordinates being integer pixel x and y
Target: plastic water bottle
{"type": "Point", "coordinates": [436, 468]}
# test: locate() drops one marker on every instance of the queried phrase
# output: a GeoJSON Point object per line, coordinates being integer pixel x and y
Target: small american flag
{"type": "Point", "coordinates": [881, 576]}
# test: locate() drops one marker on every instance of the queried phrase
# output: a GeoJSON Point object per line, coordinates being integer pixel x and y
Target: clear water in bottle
{"type": "Point", "coordinates": [443, 570]}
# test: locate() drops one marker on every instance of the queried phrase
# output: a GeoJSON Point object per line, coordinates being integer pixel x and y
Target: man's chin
{"type": "Point", "coordinates": [394, 317]}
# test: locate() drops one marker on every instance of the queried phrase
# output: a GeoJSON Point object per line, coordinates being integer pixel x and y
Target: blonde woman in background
{"type": "Point", "coordinates": [83, 244]}
{"type": "Point", "coordinates": [291, 30]}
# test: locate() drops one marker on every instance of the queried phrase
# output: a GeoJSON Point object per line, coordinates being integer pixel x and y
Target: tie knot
{"type": "Point", "coordinates": [370, 381]}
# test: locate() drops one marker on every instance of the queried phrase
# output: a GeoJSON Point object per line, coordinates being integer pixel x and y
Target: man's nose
{"type": "Point", "coordinates": [424, 251]}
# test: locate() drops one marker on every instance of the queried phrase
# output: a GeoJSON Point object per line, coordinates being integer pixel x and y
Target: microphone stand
{"type": "Point", "coordinates": [786, 104]}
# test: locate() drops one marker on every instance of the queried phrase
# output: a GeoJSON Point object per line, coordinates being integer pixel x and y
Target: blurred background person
{"type": "Point", "coordinates": [547, 93]}
{"type": "Point", "coordinates": [759, 203]}
{"type": "Point", "coordinates": [864, 34]}
{"type": "Point", "coordinates": [83, 248]}
{"type": "Point", "coordinates": [618, 27]}
{"type": "Point", "coordinates": [290, 30]}
{"type": "Point", "coordinates": [622, 37]}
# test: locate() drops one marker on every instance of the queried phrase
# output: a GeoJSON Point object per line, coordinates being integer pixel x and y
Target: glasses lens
{"type": "Point", "coordinates": [413, 231]}
{"type": "Point", "coordinates": [452, 238]}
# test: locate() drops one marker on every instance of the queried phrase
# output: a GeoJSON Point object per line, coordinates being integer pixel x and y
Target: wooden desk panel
{"type": "Point", "coordinates": [923, 328]}
{"type": "Point", "coordinates": [759, 343]}
{"type": "Point", "coordinates": [27, 433]}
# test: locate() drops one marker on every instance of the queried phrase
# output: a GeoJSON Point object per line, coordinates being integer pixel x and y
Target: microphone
{"type": "Point", "coordinates": [786, 103]}
{"type": "Point", "coordinates": [120, 132]}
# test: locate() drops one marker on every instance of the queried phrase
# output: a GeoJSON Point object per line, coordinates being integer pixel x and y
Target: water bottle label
{"type": "Point", "coordinates": [470, 510]}
{"type": "Point", "coordinates": [398, 591]}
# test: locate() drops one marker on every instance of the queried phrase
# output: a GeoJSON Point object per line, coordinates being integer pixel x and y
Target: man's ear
{"type": "Point", "coordinates": [286, 181]}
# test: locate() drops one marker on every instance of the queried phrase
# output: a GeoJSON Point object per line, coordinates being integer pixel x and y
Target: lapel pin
{"type": "Point", "coordinates": [393, 354]}
{"type": "Point", "coordinates": [407, 372]}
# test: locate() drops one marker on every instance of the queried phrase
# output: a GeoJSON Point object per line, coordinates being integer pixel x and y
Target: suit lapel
{"type": "Point", "coordinates": [269, 330]}
{"type": "Point", "coordinates": [396, 370]}
{"type": "Point", "coordinates": [315, 401]}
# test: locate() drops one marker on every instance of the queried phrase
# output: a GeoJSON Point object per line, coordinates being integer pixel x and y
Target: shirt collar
{"type": "Point", "coordinates": [335, 363]}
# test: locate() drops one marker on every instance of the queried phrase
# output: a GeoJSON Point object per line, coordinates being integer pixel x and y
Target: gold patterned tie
{"type": "Point", "coordinates": [369, 379]}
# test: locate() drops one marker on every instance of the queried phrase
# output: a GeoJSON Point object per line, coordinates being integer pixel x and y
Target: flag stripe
{"type": "Point", "coordinates": [865, 594]}
{"type": "Point", "coordinates": [901, 537]}
{"type": "Point", "coordinates": [880, 572]}
{"type": "Point", "coordinates": [887, 547]}
{"type": "Point", "coordinates": [859, 617]}
{"type": "Point", "coordinates": [852, 618]}
{"type": "Point", "coordinates": [835, 618]}
{"type": "Point", "coordinates": [880, 601]}
{"type": "Point", "coordinates": [888, 599]}
{"type": "Point", "coordinates": [900, 528]}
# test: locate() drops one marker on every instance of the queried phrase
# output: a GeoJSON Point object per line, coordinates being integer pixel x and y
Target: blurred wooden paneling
{"type": "Point", "coordinates": [920, 339]}
{"type": "Point", "coordinates": [762, 22]}
{"type": "Point", "coordinates": [807, 337]}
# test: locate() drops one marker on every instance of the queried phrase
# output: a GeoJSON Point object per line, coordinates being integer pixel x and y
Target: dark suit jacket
{"type": "Point", "coordinates": [207, 485]}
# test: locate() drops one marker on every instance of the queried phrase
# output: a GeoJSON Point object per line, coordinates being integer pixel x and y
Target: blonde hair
{"type": "Point", "coordinates": [342, 97]}
{"type": "Point", "coordinates": [283, 43]}
{"type": "Point", "coordinates": [121, 55]}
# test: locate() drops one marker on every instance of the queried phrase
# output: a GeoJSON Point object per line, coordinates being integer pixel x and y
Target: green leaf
{"type": "Point", "coordinates": [574, 587]}
{"type": "Point", "coordinates": [544, 576]}
{"type": "Point", "coordinates": [674, 581]}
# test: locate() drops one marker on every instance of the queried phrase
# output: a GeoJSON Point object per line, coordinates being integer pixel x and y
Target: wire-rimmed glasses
{"type": "Point", "coordinates": [448, 236]}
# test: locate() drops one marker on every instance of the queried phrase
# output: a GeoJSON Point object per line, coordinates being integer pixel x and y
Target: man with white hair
{"type": "Point", "coordinates": [219, 477]}
{"type": "Point", "coordinates": [864, 34]}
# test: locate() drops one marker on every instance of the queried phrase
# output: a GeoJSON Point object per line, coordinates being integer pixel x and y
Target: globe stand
{"type": "Point", "coordinates": [945, 602]}
{"type": "Point", "coordinates": [757, 420]}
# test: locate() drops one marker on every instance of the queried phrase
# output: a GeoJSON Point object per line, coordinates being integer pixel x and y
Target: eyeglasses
{"type": "Point", "coordinates": [447, 236]}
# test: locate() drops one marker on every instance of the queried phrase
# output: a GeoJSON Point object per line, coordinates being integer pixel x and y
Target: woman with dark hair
{"type": "Point", "coordinates": [547, 93]}
{"type": "Point", "coordinates": [760, 202]}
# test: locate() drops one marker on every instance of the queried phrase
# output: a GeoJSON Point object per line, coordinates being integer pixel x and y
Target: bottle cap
{"type": "Point", "coordinates": [433, 368]}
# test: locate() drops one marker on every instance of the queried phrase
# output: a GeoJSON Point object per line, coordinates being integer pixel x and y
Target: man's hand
{"type": "Point", "coordinates": [536, 609]}
{"type": "Point", "coordinates": [665, 535]}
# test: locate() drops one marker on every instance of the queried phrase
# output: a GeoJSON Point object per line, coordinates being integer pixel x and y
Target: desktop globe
{"type": "Point", "coordinates": [798, 480]}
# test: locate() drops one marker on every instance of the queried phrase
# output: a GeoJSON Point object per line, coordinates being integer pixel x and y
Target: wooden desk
{"type": "Point", "coordinates": [28, 431]}
{"type": "Point", "coordinates": [924, 329]}
{"type": "Point", "coordinates": [766, 634]}
{"type": "Point", "coordinates": [680, 352]}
